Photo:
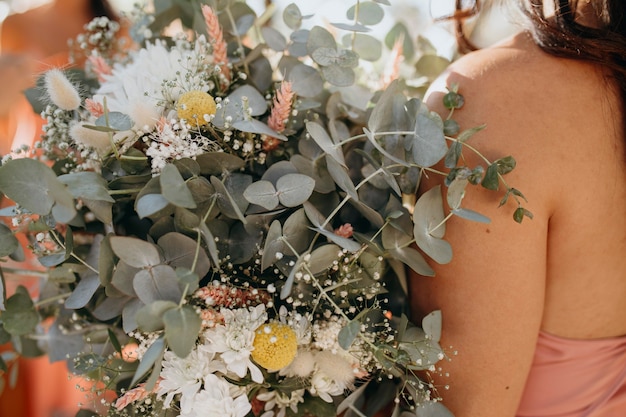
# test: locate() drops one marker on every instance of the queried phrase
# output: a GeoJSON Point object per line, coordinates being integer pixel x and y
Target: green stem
{"type": "Point", "coordinates": [57, 240]}
{"type": "Point", "coordinates": [240, 47]}
{"type": "Point", "coordinates": [57, 297]}
{"type": "Point", "coordinates": [122, 192]}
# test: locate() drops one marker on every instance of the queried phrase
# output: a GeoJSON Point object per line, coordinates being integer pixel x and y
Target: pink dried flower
{"type": "Point", "coordinates": [211, 318]}
{"type": "Point", "coordinates": [136, 394]}
{"type": "Point", "coordinates": [100, 67]}
{"type": "Point", "coordinates": [281, 108]}
{"type": "Point", "coordinates": [96, 109]}
{"type": "Point", "coordinates": [345, 230]}
{"type": "Point", "coordinates": [270, 143]}
{"type": "Point", "coordinates": [216, 36]}
{"type": "Point", "coordinates": [392, 69]}
{"type": "Point", "coordinates": [229, 297]}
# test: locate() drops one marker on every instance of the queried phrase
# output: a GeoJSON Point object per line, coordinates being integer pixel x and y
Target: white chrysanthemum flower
{"type": "Point", "coordinates": [276, 403]}
{"type": "Point", "coordinates": [216, 399]}
{"type": "Point", "coordinates": [154, 79]}
{"type": "Point", "coordinates": [234, 339]}
{"type": "Point", "coordinates": [325, 386]}
{"type": "Point", "coordinates": [185, 376]}
{"type": "Point", "coordinates": [60, 90]}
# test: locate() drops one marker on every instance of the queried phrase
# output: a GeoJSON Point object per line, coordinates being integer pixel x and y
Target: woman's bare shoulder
{"type": "Point", "coordinates": [532, 103]}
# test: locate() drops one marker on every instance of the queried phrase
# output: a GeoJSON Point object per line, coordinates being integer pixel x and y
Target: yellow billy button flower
{"type": "Point", "coordinates": [193, 105]}
{"type": "Point", "coordinates": [275, 345]}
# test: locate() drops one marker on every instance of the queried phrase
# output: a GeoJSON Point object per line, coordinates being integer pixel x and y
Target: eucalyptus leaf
{"type": "Point", "coordinates": [431, 66]}
{"type": "Point", "coordinates": [150, 317]}
{"type": "Point", "coordinates": [34, 186]}
{"type": "Point", "coordinates": [305, 81]}
{"type": "Point", "coordinates": [369, 13]}
{"type": "Point", "coordinates": [296, 232]}
{"type": "Point", "coordinates": [182, 251]}
{"type": "Point", "coordinates": [352, 27]}
{"type": "Point", "coordinates": [87, 184]}
{"type": "Point", "coordinates": [149, 358]}
{"type": "Point", "coordinates": [323, 257]}
{"type": "Point", "coordinates": [274, 38]}
{"type": "Point", "coordinates": [347, 244]}
{"type": "Point", "coordinates": [150, 204]}
{"type": "Point", "coordinates": [83, 293]}
{"type": "Point", "coordinates": [294, 189]}
{"type": "Point", "coordinates": [216, 163]}
{"type": "Point", "coordinates": [159, 282]}
{"type": "Point", "coordinates": [339, 75]}
{"type": "Point", "coordinates": [260, 128]}
{"type": "Point", "coordinates": [456, 192]}
{"type": "Point", "coordinates": [8, 242]}
{"type": "Point", "coordinates": [182, 326]}
{"type": "Point", "coordinates": [491, 181]}
{"type": "Point", "coordinates": [135, 252]}
{"type": "Point", "coordinates": [432, 325]}
{"type": "Point", "coordinates": [115, 120]}
{"type": "Point", "coordinates": [225, 201]}
{"type": "Point", "coordinates": [209, 239]}
{"type": "Point", "coordinates": [320, 38]}
{"type": "Point", "coordinates": [339, 173]}
{"type": "Point", "coordinates": [366, 46]}
{"type": "Point", "coordinates": [129, 314]}
{"type": "Point", "coordinates": [274, 245]}
{"type": "Point", "coordinates": [323, 140]}
{"type": "Point", "coordinates": [468, 214]}
{"type": "Point", "coordinates": [413, 259]}
{"type": "Point", "coordinates": [428, 143]}
{"type": "Point", "coordinates": [20, 316]}
{"type": "Point", "coordinates": [122, 279]}
{"type": "Point", "coordinates": [174, 189]}
{"type": "Point", "coordinates": [429, 226]}
{"type": "Point", "coordinates": [348, 334]}
{"type": "Point", "coordinates": [292, 16]}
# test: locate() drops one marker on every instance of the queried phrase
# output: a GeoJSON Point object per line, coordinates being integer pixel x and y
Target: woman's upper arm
{"type": "Point", "coordinates": [492, 292]}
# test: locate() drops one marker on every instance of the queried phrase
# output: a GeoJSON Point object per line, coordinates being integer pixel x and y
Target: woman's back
{"type": "Point", "coordinates": [563, 272]}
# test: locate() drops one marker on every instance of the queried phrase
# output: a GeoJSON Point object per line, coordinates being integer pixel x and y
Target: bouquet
{"type": "Point", "coordinates": [221, 211]}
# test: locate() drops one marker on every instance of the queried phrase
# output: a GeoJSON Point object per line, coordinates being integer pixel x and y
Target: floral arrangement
{"type": "Point", "coordinates": [222, 217]}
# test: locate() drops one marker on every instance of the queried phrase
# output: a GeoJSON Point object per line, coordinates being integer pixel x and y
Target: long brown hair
{"type": "Point", "coordinates": [595, 32]}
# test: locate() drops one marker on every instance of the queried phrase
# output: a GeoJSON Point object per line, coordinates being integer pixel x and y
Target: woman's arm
{"type": "Point", "coordinates": [492, 292]}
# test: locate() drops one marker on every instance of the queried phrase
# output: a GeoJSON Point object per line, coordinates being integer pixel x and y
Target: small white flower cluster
{"type": "Point", "coordinates": [56, 129]}
{"type": "Point", "coordinates": [99, 36]}
{"type": "Point", "coordinates": [174, 140]}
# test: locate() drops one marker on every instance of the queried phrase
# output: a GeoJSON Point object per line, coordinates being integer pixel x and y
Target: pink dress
{"type": "Point", "coordinates": [576, 378]}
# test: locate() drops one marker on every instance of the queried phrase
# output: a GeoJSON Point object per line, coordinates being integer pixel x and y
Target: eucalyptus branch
{"type": "Point", "coordinates": [347, 197]}
{"type": "Point", "coordinates": [58, 241]}
{"type": "Point", "coordinates": [240, 47]}
{"type": "Point", "coordinates": [50, 300]}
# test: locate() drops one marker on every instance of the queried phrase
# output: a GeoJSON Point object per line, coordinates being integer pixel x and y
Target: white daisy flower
{"type": "Point", "coordinates": [149, 85]}
{"type": "Point", "coordinates": [185, 375]}
{"type": "Point", "coordinates": [277, 403]}
{"type": "Point", "coordinates": [217, 400]}
{"type": "Point", "coordinates": [234, 340]}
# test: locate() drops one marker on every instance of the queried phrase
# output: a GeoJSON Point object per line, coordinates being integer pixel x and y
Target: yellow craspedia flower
{"type": "Point", "coordinates": [193, 105]}
{"type": "Point", "coordinates": [275, 345]}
